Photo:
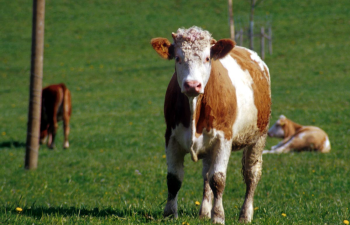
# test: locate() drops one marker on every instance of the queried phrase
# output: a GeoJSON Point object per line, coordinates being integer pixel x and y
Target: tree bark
{"type": "Point", "coordinates": [232, 25]}
{"type": "Point", "coordinates": [36, 74]}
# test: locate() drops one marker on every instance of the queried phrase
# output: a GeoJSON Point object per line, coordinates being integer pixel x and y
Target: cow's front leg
{"type": "Point", "coordinates": [206, 205]}
{"type": "Point", "coordinates": [175, 159]}
{"type": "Point", "coordinates": [217, 179]}
{"type": "Point", "coordinates": [251, 168]}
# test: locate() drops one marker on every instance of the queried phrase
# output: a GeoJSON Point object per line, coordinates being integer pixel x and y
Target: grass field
{"type": "Point", "coordinates": [115, 170]}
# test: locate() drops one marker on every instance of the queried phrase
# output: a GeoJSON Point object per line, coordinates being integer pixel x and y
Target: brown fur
{"type": "Point", "coordinates": [217, 109]}
{"type": "Point", "coordinates": [56, 106]}
{"type": "Point", "coordinates": [163, 47]}
{"type": "Point", "coordinates": [176, 108]}
{"type": "Point", "coordinates": [221, 48]}
{"type": "Point", "coordinates": [262, 96]}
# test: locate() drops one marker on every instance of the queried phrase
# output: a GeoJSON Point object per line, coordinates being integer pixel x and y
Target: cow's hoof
{"type": "Point", "coordinates": [244, 220]}
{"type": "Point", "coordinates": [66, 145]}
{"type": "Point", "coordinates": [218, 220]}
{"type": "Point", "coordinates": [170, 215]}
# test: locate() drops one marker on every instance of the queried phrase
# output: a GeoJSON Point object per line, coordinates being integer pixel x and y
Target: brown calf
{"type": "Point", "coordinates": [56, 106]}
{"type": "Point", "coordinates": [297, 137]}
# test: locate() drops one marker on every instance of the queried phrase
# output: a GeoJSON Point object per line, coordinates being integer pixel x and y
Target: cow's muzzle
{"type": "Point", "coordinates": [192, 88]}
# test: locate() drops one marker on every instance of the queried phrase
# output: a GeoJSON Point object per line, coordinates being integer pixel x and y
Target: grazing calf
{"type": "Point", "coordinates": [297, 137]}
{"type": "Point", "coordinates": [56, 106]}
{"type": "Point", "coordinates": [218, 100]}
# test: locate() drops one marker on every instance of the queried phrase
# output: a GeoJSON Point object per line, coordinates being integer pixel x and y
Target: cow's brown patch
{"type": "Point", "coordinates": [290, 128]}
{"type": "Point", "coordinates": [163, 47]}
{"type": "Point", "coordinates": [216, 108]}
{"type": "Point", "coordinates": [221, 48]}
{"type": "Point", "coordinates": [176, 108]}
{"type": "Point", "coordinates": [261, 86]}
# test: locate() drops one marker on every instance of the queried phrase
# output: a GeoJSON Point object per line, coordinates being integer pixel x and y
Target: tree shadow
{"type": "Point", "coordinates": [123, 214]}
{"type": "Point", "coordinates": [143, 215]}
{"type": "Point", "coordinates": [12, 144]}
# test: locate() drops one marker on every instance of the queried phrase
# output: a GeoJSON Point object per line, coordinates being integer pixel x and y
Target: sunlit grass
{"type": "Point", "coordinates": [115, 169]}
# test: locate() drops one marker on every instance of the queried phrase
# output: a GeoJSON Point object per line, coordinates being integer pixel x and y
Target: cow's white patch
{"type": "Point", "coordinates": [246, 109]}
{"type": "Point", "coordinates": [255, 57]}
{"type": "Point", "coordinates": [326, 145]}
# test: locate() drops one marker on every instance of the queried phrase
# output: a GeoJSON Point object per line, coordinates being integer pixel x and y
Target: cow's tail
{"type": "Point", "coordinates": [67, 107]}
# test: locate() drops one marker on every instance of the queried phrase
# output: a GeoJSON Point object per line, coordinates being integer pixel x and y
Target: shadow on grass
{"type": "Point", "coordinates": [117, 214]}
{"type": "Point", "coordinates": [12, 144]}
{"type": "Point", "coordinates": [142, 214]}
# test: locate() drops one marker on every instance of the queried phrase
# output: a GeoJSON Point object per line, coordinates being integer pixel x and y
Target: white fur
{"type": "Point", "coordinates": [246, 109]}
{"type": "Point", "coordinates": [326, 145]}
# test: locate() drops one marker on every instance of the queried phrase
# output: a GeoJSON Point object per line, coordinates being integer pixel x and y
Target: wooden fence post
{"type": "Point", "coordinates": [270, 40]}
{"type": "Point", "coordinates": [241, 37]}
{"type": "Point", "coordinates": [36, 75]}
{"type": "Point", "coordinates": [232, 28]}
{"type": "Point", "coordinates": [262, 42]}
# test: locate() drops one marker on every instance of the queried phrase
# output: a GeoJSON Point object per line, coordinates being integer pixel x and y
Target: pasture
{"type": "Point", "coordinates": [114, 171]}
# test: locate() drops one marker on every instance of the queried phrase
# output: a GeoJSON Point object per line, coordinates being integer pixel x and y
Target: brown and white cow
{"type": "Point", "coordinates": [56, 106]}
{"type": "Point", "coordinates": [217, 101]}
{"type": "Point", "coordinates": [297, 137]}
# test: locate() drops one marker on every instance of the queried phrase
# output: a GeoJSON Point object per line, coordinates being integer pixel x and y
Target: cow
{"type": "Point", "coordinates": [55, 106]}
{"type": "Point", "coordinates": [217, 101]}
{"type": "Point", "coordinates": [297, 137]}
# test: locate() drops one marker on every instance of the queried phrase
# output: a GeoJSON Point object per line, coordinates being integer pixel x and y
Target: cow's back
{"type": "Point", "coordinates": [56, 97]}
{"type": "Point", "coordinates": [312, 138]}
{"type": "Point", "coordinates": [251, 80]}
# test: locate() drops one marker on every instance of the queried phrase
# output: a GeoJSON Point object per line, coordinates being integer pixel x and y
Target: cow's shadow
{"type": "Point", "coordinates": [37, 212]}
{"type": "Point", "coordinates": [12, 144]}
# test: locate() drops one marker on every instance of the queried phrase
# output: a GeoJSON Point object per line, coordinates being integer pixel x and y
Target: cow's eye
{"type": "Point", "coordinates": [177, 59]}
{"type": "Point", "coordinates": [207, 59]}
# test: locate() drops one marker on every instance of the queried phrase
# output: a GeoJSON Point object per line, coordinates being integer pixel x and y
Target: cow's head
{"type": "Point", "coordinates": [277, 129]}
{"type": "Point", "coordinates": [193, 49]}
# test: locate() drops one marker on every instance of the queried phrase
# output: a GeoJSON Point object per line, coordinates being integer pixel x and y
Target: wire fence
{"type": "Point", "coordinates": [242, 37]}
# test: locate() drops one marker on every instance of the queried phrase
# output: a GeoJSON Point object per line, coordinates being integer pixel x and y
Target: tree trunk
{"type": "Point", "coordinates": [36, 74]}
{"type": "Point", "coordinates": [232, 26]}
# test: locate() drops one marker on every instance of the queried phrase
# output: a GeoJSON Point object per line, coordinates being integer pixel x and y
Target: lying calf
{"type": "Point", "coordinates": [56, 106]}
{"type": "Point", "coordinates": [297, 137]}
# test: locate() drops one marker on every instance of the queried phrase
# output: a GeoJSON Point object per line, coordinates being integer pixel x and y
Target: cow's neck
{"type": "Point", "coordinates": [291, 128]}
{"type": "Point", "coordinates": [193, 104]}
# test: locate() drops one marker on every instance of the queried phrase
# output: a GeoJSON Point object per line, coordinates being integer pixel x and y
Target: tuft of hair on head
{"type": "Point", "coordinates": [283, 116]}
{"type": "Point", "coordinates": [192, 40]}
{"type": "Point", "coordinates": [191, 34]}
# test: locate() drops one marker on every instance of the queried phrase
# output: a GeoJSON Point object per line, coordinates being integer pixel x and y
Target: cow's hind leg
{"type": "Point", "coordinates": [67, 107]}
{"type": "Point", "coordinates": [251, 169]}
{"type": "Point", "coordinates": [175, 159]}
{"type": "Point", "coordinates": [206, 205]}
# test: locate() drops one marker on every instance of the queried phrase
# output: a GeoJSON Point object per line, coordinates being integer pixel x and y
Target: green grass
{"type": "Point", "coordinates": [114, 171]}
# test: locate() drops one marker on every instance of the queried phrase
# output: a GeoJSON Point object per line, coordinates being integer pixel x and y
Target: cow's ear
{"type": "Point", "coordinates": [221, 48]}
{"type": "Point", "coordinates": [163, 47]}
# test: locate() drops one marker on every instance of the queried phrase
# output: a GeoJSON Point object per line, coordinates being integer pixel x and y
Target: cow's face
{"type": "Point", "coordinates": [277, 130]}
{"type": "Point", "coordinates": [192, 69]}
{"type": "Point", "coordinates": [193, 49]}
